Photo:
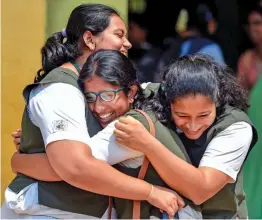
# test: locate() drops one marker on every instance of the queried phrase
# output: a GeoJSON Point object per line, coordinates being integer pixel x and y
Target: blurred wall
{"type": "Point", "coordinates": [59, 11]}
{"type": "Point", "coordinates": [23, 34]}
{"type": "Point", "coordinates": [25, 25]}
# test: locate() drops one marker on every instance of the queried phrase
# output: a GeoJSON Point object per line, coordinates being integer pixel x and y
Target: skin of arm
{"type": "Point", "coordinates": [85, 163]}
{"type": "Point", "coordinates": [196, 181]}
{"type": "Point", "coordinates": [42, 170]}
{"type": "Point", "coordinates": [73, 160]}
{"type": "Point", "coordinates": [76, 165]}
{"type": "Point", "coordinates": [83, 169]}
{"type": "Point", "coordinates": [197, 184]}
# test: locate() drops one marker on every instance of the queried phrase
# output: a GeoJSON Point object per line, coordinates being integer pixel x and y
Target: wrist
{"type": "Point", "coordinates": [148, 145]}
{"type": "Point", "coordinates": [149, 192]}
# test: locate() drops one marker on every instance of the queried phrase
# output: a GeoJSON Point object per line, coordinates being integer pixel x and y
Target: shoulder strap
{"type": "Point", "coordinates": [143, 169]}
{"type": "Point", "coordinates": [142, 172]}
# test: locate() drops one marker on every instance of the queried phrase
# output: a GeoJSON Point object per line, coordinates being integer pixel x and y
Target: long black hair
{"type": "Point", "coordinates": [60, 49]}
{"type": "Point", "coordinates": [197, 74]}
{"type": "Point", "coordinates": [115, 68]}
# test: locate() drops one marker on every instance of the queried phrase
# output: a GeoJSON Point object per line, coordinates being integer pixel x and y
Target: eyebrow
{"type": "Point", "coordinates": [201, 113]}
{"type": "Point", "coordinates": [119, 29]}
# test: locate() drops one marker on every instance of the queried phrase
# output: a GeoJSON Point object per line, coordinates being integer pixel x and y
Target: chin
{"type": "Point", "coordinates": [193, 137]}
{"type": "Point", "coordinates": [104, 124]}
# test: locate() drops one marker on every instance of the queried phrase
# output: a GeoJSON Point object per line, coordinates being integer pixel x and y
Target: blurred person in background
{"type": "Point", "coordinates": [250, 62]}
{"type": "Point", "coordinates": [194, 27]}
{"type": "Point", "coordinates": [137, 36]}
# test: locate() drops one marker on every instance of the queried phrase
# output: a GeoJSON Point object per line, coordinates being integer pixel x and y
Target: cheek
{"type": "Point", "coordinates": [207, 122]}
{"type": "Point", "coordinates": [112, 43]}
{"type": "Point", "coordinates": [179, 122]}
{"type": "Point", "coordinates": [91, 107]}
{"type": "Point", "coordinates": [259, 29]}
{"type": "Point", "coordinates": [120, 106]}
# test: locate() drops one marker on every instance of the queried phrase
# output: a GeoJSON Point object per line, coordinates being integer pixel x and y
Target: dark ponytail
{"type": "Point", "coordinates": [54, 53]}
{"type": "Point", "coordinates": [64, 46]}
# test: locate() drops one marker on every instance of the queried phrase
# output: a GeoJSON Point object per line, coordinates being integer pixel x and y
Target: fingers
{"type": "Point", "coordinates": [127, 120]}
{"type": "Point", "coordinates": [121, 126]}
{"type": "Point", "coordinates": [17, 146]}
{"type": "Point", "coordinates": [120, 134]}
{"type": "Point", "coordinates": [170, 211]}
{"type": "Point", "coordinates": [16, 134]}
{"type": "Point", "coordinates": [174, 207]}
{"type": "Point", "coordinates": [181, 203]}
{"type": "Point", "coordinates": [17, 140]}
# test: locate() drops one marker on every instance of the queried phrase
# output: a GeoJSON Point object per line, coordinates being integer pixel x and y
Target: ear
{"type": "Point", "coordinates": [88, 40]}
{"type": "Point", "coordinates": [132, 93]}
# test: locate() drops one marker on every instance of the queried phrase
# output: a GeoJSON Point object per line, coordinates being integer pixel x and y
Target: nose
{"type": "Point", "coordinates": [98, 106]}
{"type": "Point", "coordinates": [193, 126]}
{"type": "Point", "coordinates": [127, 44]}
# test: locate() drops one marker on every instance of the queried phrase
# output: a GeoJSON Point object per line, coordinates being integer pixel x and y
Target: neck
{"type": "Point", "coordinates": [81, 60]}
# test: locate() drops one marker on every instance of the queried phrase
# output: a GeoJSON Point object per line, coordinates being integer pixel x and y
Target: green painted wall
{"type": "Point", "coordinates": [58, 11]}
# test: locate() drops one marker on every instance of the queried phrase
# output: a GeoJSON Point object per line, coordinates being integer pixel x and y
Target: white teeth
{"type": "Point", "coordinates": [105, 116]}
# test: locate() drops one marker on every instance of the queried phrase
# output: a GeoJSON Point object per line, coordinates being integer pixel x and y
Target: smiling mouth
{"type": "Point", "coordinates": [105, 118]}
{"type": "Point", "coordinates": [194, 132]}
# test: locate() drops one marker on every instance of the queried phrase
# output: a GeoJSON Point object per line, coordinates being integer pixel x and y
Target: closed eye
{"type": "Point", "coordinates": [182, 116]}
{"type": "Point", "coordinates": [203, 116]}
{"type": "Point", "coordinates": [120, 35]}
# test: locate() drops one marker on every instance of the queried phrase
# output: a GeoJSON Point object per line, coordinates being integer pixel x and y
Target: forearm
{"type": "Point", "coordinates": [78, 167]}
{"type": "Point", "coordinates": [189, 181]}
{"type": "Point", "coordinates": [103, 179]}
{"type": "Point", "coordinates": [36, 166]}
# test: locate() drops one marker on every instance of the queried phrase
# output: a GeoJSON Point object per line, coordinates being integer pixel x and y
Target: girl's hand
{"type": "Point", "coordinates": [17, 138]}
{"type": "Point", "coordinates": [131, 133]}
{"type": "Point", "coordinates": [166, 200]}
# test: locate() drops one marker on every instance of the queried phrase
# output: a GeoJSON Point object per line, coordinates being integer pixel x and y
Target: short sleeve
{"type": "Point", "coordinates": [104, 147]}
{"type": "Point", "coordinates": [58, 109]}
{"type": "Point", "coordinates": [228, 150]}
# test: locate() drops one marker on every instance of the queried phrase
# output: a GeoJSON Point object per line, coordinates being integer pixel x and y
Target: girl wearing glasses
{"type": "Point", "coordinates": [111, 89]}
{"type": "Point", "coordinates": [57, 121]}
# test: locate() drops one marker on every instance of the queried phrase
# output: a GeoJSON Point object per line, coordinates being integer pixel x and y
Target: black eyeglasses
{"type": "Point", "coordinates": [107, 95]}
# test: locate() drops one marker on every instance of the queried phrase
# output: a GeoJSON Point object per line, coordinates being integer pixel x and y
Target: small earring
{"type": "Point", "coordinates": [92, 48]}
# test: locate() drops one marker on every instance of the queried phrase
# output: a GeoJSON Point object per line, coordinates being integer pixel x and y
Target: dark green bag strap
{"type": "Point", "coordinates": [76, 66]}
